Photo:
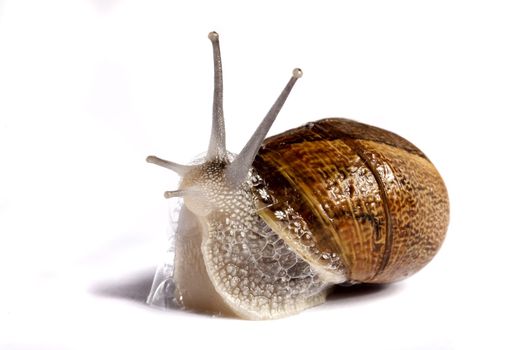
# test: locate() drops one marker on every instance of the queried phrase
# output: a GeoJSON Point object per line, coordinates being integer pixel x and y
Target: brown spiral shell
{"type": "Point", "coordinates": [366, 195]}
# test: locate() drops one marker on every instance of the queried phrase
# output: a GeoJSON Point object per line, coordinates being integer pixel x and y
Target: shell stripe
{"type": "Point", "coordinates": [384, 199]}
{"type": "Point", "coordinates": [324, 132]}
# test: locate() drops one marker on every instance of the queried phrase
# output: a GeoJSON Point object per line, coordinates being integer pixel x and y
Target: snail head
{"type": "Point", "coordinates": [219, 175]}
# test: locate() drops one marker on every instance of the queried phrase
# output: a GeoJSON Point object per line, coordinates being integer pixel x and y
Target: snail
{"type": "Point", "coordinates": [267, 233]}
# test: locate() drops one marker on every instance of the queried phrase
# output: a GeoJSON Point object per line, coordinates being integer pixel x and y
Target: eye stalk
{"type": "Point", "coordinates": [217, 146]}
{"type": "Point", "coordinates": [239, 168]}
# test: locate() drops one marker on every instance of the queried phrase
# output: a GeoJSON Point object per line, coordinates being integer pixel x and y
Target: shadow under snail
{"type": "Point", "coordinates": [267, 233]}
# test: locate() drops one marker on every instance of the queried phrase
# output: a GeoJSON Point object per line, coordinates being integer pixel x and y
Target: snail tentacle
{"type": "Point", "coordinates": [238, 170]}
{"type": "Point", "coordinates": [182, 193]}
{"type": "Point", "coordinates": [217, 146]}
{"type": "Point", "coordinates": [178, 168]}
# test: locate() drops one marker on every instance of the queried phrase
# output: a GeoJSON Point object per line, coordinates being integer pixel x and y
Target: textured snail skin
{"type": "Point", "coordinates": [368, 196]}
{"type": "Point", "coordinates": [229, 261]}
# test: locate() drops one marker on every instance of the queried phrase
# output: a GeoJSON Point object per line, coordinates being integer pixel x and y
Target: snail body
{"type": "Point", "coordinates": [266, 233]}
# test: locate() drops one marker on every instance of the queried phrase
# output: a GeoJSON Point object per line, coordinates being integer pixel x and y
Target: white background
{"type": "Point", "coordinates": [89, 88]}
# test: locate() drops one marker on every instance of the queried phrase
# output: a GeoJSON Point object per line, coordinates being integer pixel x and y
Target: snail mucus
{"type": "Point", "coordinates": [267, 233]}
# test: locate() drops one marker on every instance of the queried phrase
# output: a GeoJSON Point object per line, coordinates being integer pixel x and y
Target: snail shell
{"type": "Point", "coordinates": [366, 195]}
{"type": "Point", "coordinates": [266, 233]}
